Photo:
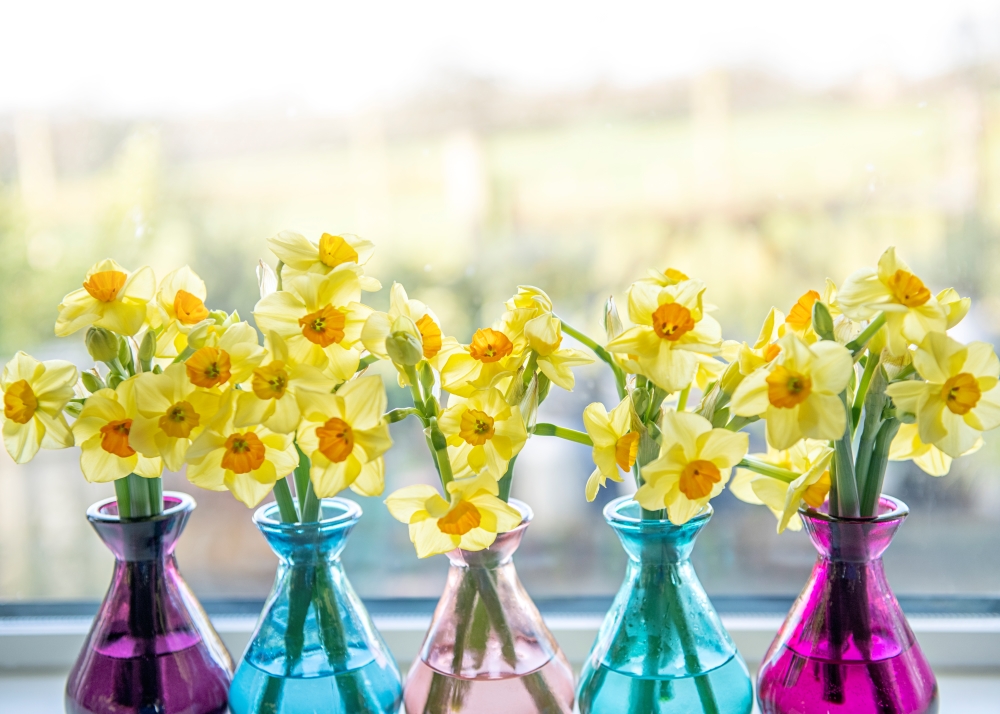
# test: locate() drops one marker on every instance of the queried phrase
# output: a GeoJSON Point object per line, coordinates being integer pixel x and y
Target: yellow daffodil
{"type": "Point", "coordinates": [494, 354]}
{"type": "Point", "coordinates": [171, 412]}
{"type": "Point", "coordinates": [470, 521]}
{"type": "Point", "coordinates": [103, 432]}
{"type": "Point", "coordinates": [809, 458]}
{"type": "Point", "coordinates": [301, 255]}
{"type": "Point", "coordinates": [670, 327]}
{"type": "Point", "coordinates": [615, 445]}
{"type": "Point", "coordinates": [798, 392]}
{"type": "Point", "coordinates": [670, 276]}
{"type": "Point", "coordinates": [111, 298]}
{"type": "Point", "coordinates": [320, 318]}
{"type": "Point", "coordinates": [34, 395]}
{"type": "Point", "coordinates": [955, 306]}
{"type": "Point", "coordinates": [483, 431]}
{"type": "Point", "coordinates": [180, 301]}
{"type": "Point", "coordinates": [907, 446]}
{"type": "Point", "coordinates": [544, 336]}
{"type": "Point", "coordinates": [378, 326]}
{"type": "Point", "coordinates": [246, 461]}
{"type": "Point", "coordinates": [911, 311]}
{"type": "Point", "coordinates": [693, 467]}
{"type": "Point", "coordinates": [960, 398]}
{"type": "Point", "coordinates": [529, 303]}
{"type": "Point", "coordinates": [275, 389]}
{"type": "Point", "coordinates": [345, 435]}
{"type": "Point", "coordinates": [223, 355]}
{"type": "Point", "coordinates": [766, 348]}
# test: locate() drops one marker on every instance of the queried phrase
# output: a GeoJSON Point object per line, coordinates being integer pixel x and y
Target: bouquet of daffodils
{"type": "Point", "coordinates": [179, 384]}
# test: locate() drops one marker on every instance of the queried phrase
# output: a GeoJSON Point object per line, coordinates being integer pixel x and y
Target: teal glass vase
{"type": "Point", "coordinates": [315, 648]}
{"type": "Point", "coordinates": [662, 648]}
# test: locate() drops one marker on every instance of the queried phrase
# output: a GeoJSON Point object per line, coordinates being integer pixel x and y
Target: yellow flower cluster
{"type": "Point", "coordinates": [494, 384]}
{"type": "Point", "coordinates": [187, 385]}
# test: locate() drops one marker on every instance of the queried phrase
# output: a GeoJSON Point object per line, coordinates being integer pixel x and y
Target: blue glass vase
{"type": "Point", "coordinates": [315, 648]}
{"type": "Point", "coordinates": [662, 648]}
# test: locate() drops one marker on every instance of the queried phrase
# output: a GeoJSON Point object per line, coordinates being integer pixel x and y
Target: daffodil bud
{"type": "Point", "coordinates": [102, 344]}
{"type": "Point", "coordinates": [438, 441]}
{"type": "Point", "coordinates": [876, 345]}
{"type": "Point", "coordinates": [147, 350]}
{"type": "Point", "coordinates": [403, 344]}
{"type": "Point", "coordinates": [544, 384]}
{"type": "Point", "coordinates": [73, 409]}
{"type": "Point", "coordinates": [612, 322]}
{"type": "Point", "coordinates": [731, 378]}
{"type": "Point", "coordinates": [91, 382]}
{"type": "Point", "coordinates": [125, 354]}
{"type": "Point", "coordinates": [822, 321]}
{"type": "Point", "coordinates": [219, 316]}
{"type": "Point", "coordinates": [544, 334]}
{"type": "Point", "coordinates": [426, 375]}
{"type": "Point", "coordinates": [114, 379]}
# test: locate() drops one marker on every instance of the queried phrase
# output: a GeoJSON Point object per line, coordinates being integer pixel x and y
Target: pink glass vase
{"type": "Point", "coordinates": [845, 647]}
{"type": "Point", "coordinates": [487, 650]}
{"type": "Point", "coordinates": [151, 649]}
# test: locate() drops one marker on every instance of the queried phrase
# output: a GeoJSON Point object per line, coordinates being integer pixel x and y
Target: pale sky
{"type": "Point", "coordinates": [144, 58]}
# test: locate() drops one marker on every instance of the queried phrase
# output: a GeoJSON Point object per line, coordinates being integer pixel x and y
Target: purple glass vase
{"type": "Point", "coordinates": [151, 649]}
{"type": "Point", "coordinates": [845, 647]}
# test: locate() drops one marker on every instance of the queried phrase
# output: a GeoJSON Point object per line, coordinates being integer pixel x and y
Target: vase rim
{"type": "Point", "coordinates": [185, 502]}
{"type": "Point", "coordinates": [350, 514]}
{"type": "Point", "coordinates": [613, 515]}
{"type": "Point", "coordinates": [897, 511]}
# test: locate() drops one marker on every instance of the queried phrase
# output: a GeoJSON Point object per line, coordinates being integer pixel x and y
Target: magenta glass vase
{"type": "Point", "coordinates": [151, 649]}
{"type": "Point", "coordinates": [487, 650]}
{"type": "Point", "coordinates": [845, 647]}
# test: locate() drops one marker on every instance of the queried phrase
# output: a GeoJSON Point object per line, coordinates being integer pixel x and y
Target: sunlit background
{"type": "Point", "coordinates": [761, 147]}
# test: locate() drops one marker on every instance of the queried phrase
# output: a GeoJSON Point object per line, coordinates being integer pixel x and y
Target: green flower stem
{"type": "Point", "coordinates": [858, 344]}
{"type": "Point", "coordinates": [483, 579]}
{"type": "Point", "coordinates": [286, 504]}
{"type": "Point", "coordinates": [905, 372]}
{"type": "Point", "coordinates": [439, 447]}
{"type": "Point", "coordinates": [601, 353]}
{"type": "Point", "coordinates": [331, 631]}
{"type": "Point", "coordinates": [301, 477]}
{"type": "Point", "coordinates": [139, 492]}
{"type": "Point", "coordinates": [506, 480]}
{"type": "Point", "coordinates": [765, 469]}
{"type": "Point", "coordinates": [311, 507]}
{"type": "Point", "coordinates": [277, 272]}
{"type": "Point", "coordinates": [859, 399]}
{"type": "Point", "coordinates": [876, 469]}
{"type": "Point", "coordinates": [874, 403]}
{"type": "Point", "coordinates": [394, 415]}
{"type": "Point", "coordinates": [188, 351]}
{"type": "Point", "coordinates": [682, 399]}
{"type": "Point", "coordinates": [124, 499]}
{"type": "Point", "coordinates": [847, 485]}
{"type": "Point", "coordinates": [366, 362]}
{"type": "Point", "coordinates": [155, 486]}
{"type": "Point", "coordinates": [739, 422]}
{"type": "Point", "coordinates": [579, 437]}
{"type": "Point", "coordinates": [418, 398]}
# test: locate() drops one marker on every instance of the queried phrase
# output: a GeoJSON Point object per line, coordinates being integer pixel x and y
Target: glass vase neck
{"type": "Point", "coordinates": [143, 539]}
{"type": "Point", "coordinates": [854, 540]}
{"type": "Point", "coordinates": [502, 550]}
{"type": "Point", "coordinates": [653, 541]}
{"type": "Point", "coordinates": [323, 539]}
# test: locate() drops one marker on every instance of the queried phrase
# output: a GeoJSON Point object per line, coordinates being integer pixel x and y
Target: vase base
{"type": "Point", "coordinates": [157, 684]}
{"type": "Point", "coordinates": [723, 690]}
{"type": "Point", "coordinates": [371, 689]}
{"type": "Point", "coordinates": [547, 690]}
{"type": "Point", "coordinates": [903, 684]}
